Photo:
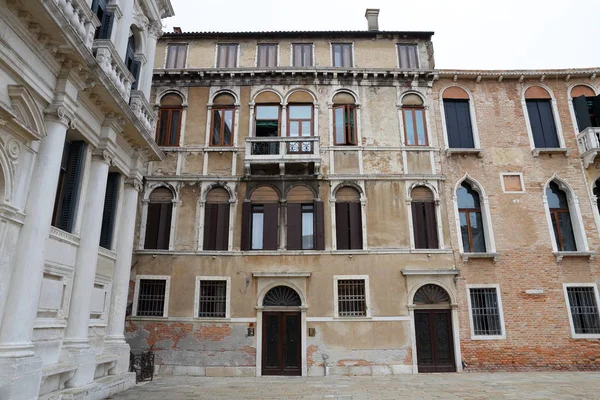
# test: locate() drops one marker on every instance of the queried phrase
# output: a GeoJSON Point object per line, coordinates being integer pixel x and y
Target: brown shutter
{"type": "Point", "coordinates": [246, 211]}
{"type": "Point", "coordinates": [419, 226]}
{"type": "Point", "coordinates": [432, 239]}
{"type": "Point", "coordinates": [271, 222]}
{"type": "Point", "coordinates": [319, 226]}
{"type": "Point", "coordinates": [210, 225]}
{"type": "Point", "coordinates": [164, 226]}
{"type": "Point", "coordinates": [294, 226]}
{"type": "Point", "coordinates": [152, 226]}
{"type": "Point", "coordinates": [342, 226]}
{"type": "Point", "coordinates": [222, 227]}
{"type": "Point", "coordinates": [355, 226]}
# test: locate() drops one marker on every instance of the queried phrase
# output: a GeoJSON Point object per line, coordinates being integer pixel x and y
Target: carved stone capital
{"type": "Point", "coordinates": [155, 29]}
{"type": "Point", "coordinates": [59, 114]}
{"type": "Point", "coordinates": [103, 155]}
{"type": "Point", "coordinates": [136, 183]}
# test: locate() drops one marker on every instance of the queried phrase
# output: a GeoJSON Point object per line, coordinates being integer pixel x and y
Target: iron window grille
{"type": "Point", "coordinates": [151, 297]}
{"type": "Point", "coordinates": [352, 300]}
{"type": "Point", "coordinates": [485, 311]}
{"type": "Point", "coordinates": [584, 310]}
{"type": "Point", "coordinates": [212, 299]}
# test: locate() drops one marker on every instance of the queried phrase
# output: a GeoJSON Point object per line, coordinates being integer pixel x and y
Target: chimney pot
{"type": "Point", "coordinates": [372, 16]}
{"type": "Point", "coordinates": [176, 29]}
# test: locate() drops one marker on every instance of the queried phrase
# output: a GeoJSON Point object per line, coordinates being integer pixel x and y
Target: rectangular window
{"type": "Point", "coordinates": [266, 55]}
{"type": "Point", "coordinates": [344, 125]}
{"type": "Point", "coordinates": [415, 131]}
{"type": "Point", "coordinates": [110, 209]}
{"type": "Point", "coordinates": [222, 127]}
{"type": "Point", "coordinates": [267, 121]}
{"type": "Point", "coordinates": [407, 56]}
{"type": "Point", "coordinates": [583, 307]}
{"type": "Point", "coordinates": [543, 127]}
{"type": "Point", "coordinates": [212, 298]}
{"type": "Point", "coordinates": [342, 54]}
{"type": "Point", "coordinates": [260, 226]}
{"type": "Point", "coordinates": [300, 120]}
{"type": "Point", "coordinates": [348, 221]}
{"type": "Point", "coordinates": [308, 227]}
{"type": "Point", "coordinates": [258, 222]}
{"type": "Point", "coordinates": [227, 55]}
{"type": "Point", "coordinates": [168, 126]}
{"type": "Point", "coordinates": [69, 181]}
{"type": "Point", "coordinates": [351, 298]}
{"type": "Point", "coordinates": [106, 19]}
{"type": "Point", "coordinates": [424, 225]}
{"type": "Point", "coordinates": [151, 297]}
{"type": "Point", "coordinates": [176, 55]}
{"type": "Point", "coordinates": [216, 226]}
{"type": "Point", "coordinates": [302, 54]}
{"type": "Point", "coordinates": [458, 124]}
{"type": "Point", "coordinates": [486, 313]}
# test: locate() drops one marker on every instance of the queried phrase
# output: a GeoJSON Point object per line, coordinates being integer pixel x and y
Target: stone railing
{"type": "Point", "coordinates": [143, 110]}
{"type": "Point", "coordinates": [112, 64]}
{"type": "Point", "coordinates": [282, 149]}
{"type": "Point", "coordinates": [588, 142]}
{"type": "Point", "coordinates": [80, 16]}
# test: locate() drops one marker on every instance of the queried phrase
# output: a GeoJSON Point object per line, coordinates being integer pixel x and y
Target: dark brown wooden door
{"type": "Point", "coordinates": [435, 347]}
{"type": "Point", "coordinates": [281, 344]}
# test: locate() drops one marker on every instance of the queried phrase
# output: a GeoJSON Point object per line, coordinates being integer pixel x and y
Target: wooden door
{"type": "Point", "coordinates": [435, 347]}
{"type": "Point", "coordinates": [281, 350]}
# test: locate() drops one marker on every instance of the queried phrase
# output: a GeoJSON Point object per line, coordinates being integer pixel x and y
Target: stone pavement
{"type": "Point", "coordinates": [523, 386]}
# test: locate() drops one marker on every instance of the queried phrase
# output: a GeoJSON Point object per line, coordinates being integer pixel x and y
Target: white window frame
{"type": "Point", "coordinates": [398, 54]}
{"type": "Point", "coordinates": [580, 335]}
{"type": "Point", "coordinates": [353, 61]}
{"type": "Point", "coordinates": [314, 60]}
{"type": "Point", "coordinates": [555, 115]}
{"type": "Point", "coordinates": [500, 312]}
{"type": "Point", "coordinates": [227, 279]}
{"type": "Point", "coordinates": [365, 278]}
{"type": "Point", "coordinates": [187, 53]}
{"type": "Point", "coordinates": [136, 294]}
{"type": "Point", "coordinates": [520, 175]}
{"type": "Point", "coordinates": [474, 129]}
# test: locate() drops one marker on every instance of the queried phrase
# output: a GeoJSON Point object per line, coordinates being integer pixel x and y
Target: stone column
{"type": "Point", "coordinates": [76, 335]}
{"type": "Point", "coordinates": [28, 269]}
{"type": "Point", "coordinates": [154, 32]}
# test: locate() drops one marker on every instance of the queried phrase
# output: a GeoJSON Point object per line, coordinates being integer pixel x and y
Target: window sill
{"type": "Point", "coordinates": [552, 150]}
{"type": "Point", "coordinates": [221, 148]}
{"type": "Point", "coordinates": [420, 148]}
{"type": "Point", "coordinates": [64, 236]}
{"type": "Point", "coordinates": [585, 336]}
{"type": "Point", "coordinates": [464, 152]}
{"type": "Point", "coordinates": [559, 255]}
{"type": "Point", "coordinates": [488, 337]}
{"type": "Point", "coordinates": [147, 317]}
{"type": "Point", "coordinates": [352, 319]}
{"type": "Point", "coordinates": [493, 256]}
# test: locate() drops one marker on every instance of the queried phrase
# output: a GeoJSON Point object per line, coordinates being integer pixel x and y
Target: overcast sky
{"type": "Point", "coordinates": [469, 34]}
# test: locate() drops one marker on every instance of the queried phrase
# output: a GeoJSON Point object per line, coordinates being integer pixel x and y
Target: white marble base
{"type": "Point", "coordinates": [20, 378]}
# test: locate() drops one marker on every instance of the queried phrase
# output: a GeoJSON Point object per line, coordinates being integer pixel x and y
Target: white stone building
{"type": "Point", "coordinates": [76, 129]}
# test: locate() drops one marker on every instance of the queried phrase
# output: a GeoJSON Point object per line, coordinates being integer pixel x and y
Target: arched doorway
{"type": "Point", "coordinates": [281, 332]}
{"type": "Point", "coordinates": [433, 330]}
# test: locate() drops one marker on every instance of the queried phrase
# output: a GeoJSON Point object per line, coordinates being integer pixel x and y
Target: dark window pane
{"type": "Point", "coordinates": [351, 298]}
{"type": "Point", "coordinates": [566, 231]}
{"type": "Point", "coordinates": [542, 123]}
{"type": "Point", "coordinates": [407, 55]}
{"type": "Point", "coordinates": [485, 312]}
{"type": "Point", "coordinates": [584, 310]}
{"type": "Point", "coordinates": [151, 297]}
{"type": "Point", "coordinates": [458, 124]}
{"type": "Point", "coordinates": [212, 299]}
{"type": "Point", "coordinates": [216, 133]}
{"type": "Point", "coordinates": [556, 197]}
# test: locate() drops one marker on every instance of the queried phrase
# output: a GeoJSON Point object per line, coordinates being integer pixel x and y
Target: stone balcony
{"type": "Point", "coordinates": [282, 155]}
{"type": "Point", "coordinates": [114, 67]}
{"type": "Point", "coordinates": [143, 110]}
{"type": "Point", "coordinates": [80, 17]}
{"type": "Point", "coordinates": [588, 142]}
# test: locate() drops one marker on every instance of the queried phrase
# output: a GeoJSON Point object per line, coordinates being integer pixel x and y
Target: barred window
{"type": "Point", "coordinates": [212, 299]}
{"type": "Point", "coordinates": [352, 301]}
{"type": "Point", "coordinates": [485, 311]}
{"type": "Point", "coordinates": [151, 297]}
{"type": "Point", "coordinates": [584, 310]}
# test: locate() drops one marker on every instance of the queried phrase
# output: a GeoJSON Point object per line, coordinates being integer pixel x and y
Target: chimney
{"type": "Point", "coordinates": [372, 15]}
{"type": "Point", "coordinates": [176, 29]}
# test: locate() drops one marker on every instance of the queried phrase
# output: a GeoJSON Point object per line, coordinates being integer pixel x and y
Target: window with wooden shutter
{"type": "Point", "coordinates": [543, 127]}
{"type": "Point", "coordinates": [424, 219]}
{"type": "Point", "coordinates": [458, 124]}
{"type": "Point", "coordinates": [260, 226]}
{"type": "Point", "coordinates": [216, 220]}
{"type": "Point", "coordinates": [168, 126]}
{"type": "Point", "coordinates": [110, 209]}
{"type": "Point", "coordinates": [587, 111]}
{"type": "Point", "coordinates": [348, 219]}
{"type": "Point", "coordinates": [67, 194]}
{"type": "Point", "coordinates": [158, 223]}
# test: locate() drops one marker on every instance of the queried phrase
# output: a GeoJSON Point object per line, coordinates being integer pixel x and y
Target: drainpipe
{"type": "Point", "coordinates": [325, 367]}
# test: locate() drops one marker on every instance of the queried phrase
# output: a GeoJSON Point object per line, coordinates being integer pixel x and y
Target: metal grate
{"type": "Point", "coordinates": [351, 298]}
{"type": "Point", "coordinates": [151, 298]}
{"type": "Point", "coordinates": [282, 296]}
{"type": "Point", "coordinates": [265, 148]}
{"type": "Point", "coordinates": [584, 310]}
{"type": "Point", "coordinates": [213, 295]}
{"type": "Point", "coordinates": [485, 310]}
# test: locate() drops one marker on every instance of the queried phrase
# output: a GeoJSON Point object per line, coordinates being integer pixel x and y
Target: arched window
{"type": "Point", "coordinates": [348, 219]}
{"type": "Point", "coordinates": [169, 120]}
{"type": "Point", "coordinates": [216, 220]}
{"type": "Point", "coordinates": [457, 112]}
{"type": "Point", "coordinates": [415, 126]}
{"type": "Point", "coordinates": [586, 106]}
{"type": "Point", "coordinates": [223, 111]}
{"type": "Point", "coordinates": [158, 221]}
{"type": "Point", "coordinates": [305, 224]}
{"type": "Point", "coordinates": [267, 115]}
{"type": "Point", "coordinates": [132, 65]}
{"type": "Point", "coordinates": [260, 220]}
{"type": "Point", "coordinates": [423, 216]}
{"type": "Point", "coordinates": [471, 221]}
{"type": "Point", "coordinates": [561, 218]}
{"type": "Point", "coordinates": [300, 112]}
{"type": "Point", "coordinates": [541, 118]}
{"type": "Point", "coordinates": [344, 120]}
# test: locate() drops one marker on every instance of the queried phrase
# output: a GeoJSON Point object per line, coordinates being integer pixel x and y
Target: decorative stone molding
{"type": "Point", "coordinates": [59, 114]}
{"type": "Point", "coordinates": [155, 29]}
{"type": "Point", "coordinates": [135, 182]}
{"type": "Point", "coordinates": [103, 155]}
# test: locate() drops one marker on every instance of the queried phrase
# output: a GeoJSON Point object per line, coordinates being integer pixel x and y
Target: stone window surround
{"type": "Point", "coordinates": [227, 279]}
{"type": "Point", "coordinates": [438, 212]}
{"type": "Point", "coordinates": [187, 52]}
{"type": "Point", "coordinates": [364, 278]}
{"type": "Point", "coordinates": [237, 56]}
{"type": "Point", "coordinates": [205, 188]}
{"type": "Point", "coordinates": [360, 187]}
{"type": "Point", "coordinates": [407, 44]}
{"type": "Point", "coordinates": [183, 93]}
{"type": "Point", "coordinates": [148, 189]}
{"type": "Point", "coordinates": [314, 58]}
{"type": "Point", "coordinates": [519, 174]}
{"type": "Point", "coordinates": [500, 311]}
{"type": "Point", "coordinates": [331, 43]}
{"type": "Point", "coordinates": [136, 293]}
{"type": "Point", "coordinates": [475, 130]}
{"type": "Point", "coordinates": [573, 334]}
{"type": "Point", "coordinates": [278, 62]}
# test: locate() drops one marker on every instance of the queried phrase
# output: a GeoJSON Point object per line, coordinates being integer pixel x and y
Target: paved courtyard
{"type": "Point", "coordinates": [535, 385]}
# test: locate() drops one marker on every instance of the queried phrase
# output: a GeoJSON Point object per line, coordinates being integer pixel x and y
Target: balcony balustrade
{"type": "Point", "coordinates": [113, 65]}
{"type": "Point", "coordinates": [588, 141]}
{"type": "Point", "coordinates": [281, 151]}
{"type": "Point", "coordinates": [143, 110]}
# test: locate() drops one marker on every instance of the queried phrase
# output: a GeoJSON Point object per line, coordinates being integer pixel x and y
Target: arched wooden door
{"type": "Point", "coordinates": [281, 335]}
{"type": "Point", "coordinates": [433, 330]}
